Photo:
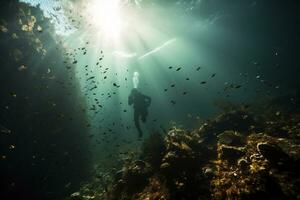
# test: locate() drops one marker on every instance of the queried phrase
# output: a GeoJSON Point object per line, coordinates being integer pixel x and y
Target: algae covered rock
{"type": "Point", "coordinates": [231, 153]}
{"type": "Point", "coordinates": [153, 149]}
{"type": "Point", "coordinates": [237, 120]}
{"type": "Point", "coordinates": [134, 178]}
{"type": "Point", "coordinates": [76, 196]}
{"type": "Point", "coordinates": [231, 138]}
{"type": "Point", "coordinates": [136, 175]}
{"type": "Point", "coordinates": [222, 160]}
{"type": "Point", "coordinates": [272, 152]}
{"type": "Point", "coordinates": [243, 164]}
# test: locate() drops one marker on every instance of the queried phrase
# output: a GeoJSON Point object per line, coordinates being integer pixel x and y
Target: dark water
{"type": "Point", "coordinates": [67, 69]}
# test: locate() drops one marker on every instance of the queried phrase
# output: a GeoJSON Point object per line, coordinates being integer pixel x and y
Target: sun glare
{"type": "Point", "coordinates": [106, 16]}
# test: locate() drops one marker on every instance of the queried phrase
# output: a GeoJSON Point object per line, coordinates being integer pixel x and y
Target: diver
{"type": "Point", "coordinates": [140, 103]}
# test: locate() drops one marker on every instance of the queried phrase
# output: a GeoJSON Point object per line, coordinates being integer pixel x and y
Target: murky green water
{"type": "Point", "coordinates": [69, 67]}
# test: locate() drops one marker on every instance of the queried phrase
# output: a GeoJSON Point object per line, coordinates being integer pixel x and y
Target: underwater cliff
{"type": "Point", "coordinates": [43, 127]}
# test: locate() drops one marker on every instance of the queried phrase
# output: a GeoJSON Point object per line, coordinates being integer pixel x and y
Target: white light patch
{"type": "Point", "coordinates": [158, 48]}
{"type": "Point", "coordinates": [106, 15]}
{"type": "Point", "coordinates": [123, 54]}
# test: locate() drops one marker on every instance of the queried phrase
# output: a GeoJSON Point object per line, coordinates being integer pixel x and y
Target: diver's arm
{"type": "Point", "coordinates": [148, 100]}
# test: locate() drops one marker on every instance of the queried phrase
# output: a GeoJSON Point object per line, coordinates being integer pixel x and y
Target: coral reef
{"type": "Point", "coordinates": [237, 155]}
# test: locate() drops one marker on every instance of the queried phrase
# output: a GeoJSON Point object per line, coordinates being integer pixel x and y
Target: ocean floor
{"type": "Point", "coordinates": [239, 154]}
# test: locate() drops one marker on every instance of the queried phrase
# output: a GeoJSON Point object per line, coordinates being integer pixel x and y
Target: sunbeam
{"type": "Point", "coordinates": [107, 17]}
{"type": "Point", "coordinates": [149, 99]}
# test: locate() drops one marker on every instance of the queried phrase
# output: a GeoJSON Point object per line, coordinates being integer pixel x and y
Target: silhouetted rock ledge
{"type": "Point", "coordinates": [226, 158]}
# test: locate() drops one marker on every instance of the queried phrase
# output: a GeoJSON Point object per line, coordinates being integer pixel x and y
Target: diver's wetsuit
{"type": "Point", "coordinates": [140, 103]}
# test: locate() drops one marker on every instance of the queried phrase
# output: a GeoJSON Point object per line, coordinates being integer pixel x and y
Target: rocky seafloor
{"type": "Point", "coordinates": [240, 154]}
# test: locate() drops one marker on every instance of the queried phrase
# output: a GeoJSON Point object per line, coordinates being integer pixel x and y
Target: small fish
{"type": "Point", "coordinates": [114, 84]}
{"type": "Point", "coordinates": [165, 90]}
{"type": "Point", "coordinates": [198, 68]}
{"type": "Point", "coordinates": [173, 102]}
{"type": "Point", "coordinates": [187, 79]}
{"type": "Point", "coordinates": [179, 68]}
{"type": "Point", "coordinates": [75, 61]}
{"type": "Point", "coordinates": [173, 85]}
{"type": "Point", "coordinates": [92, 77]}
{"type": "Point", "coordinates": [93, 88]}
{"type": "Point", "coordinates": [203, 82]}
{"type": "Point", "coordinates": [170, 67]}
{"type": "Point", "coordinates": [238, 86]}
{"type": "Point", "coordinates": [213, 75]}
{"type": "Point", "coordinates": [184, 93]}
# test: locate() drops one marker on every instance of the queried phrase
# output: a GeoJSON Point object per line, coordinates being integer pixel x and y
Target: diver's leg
{"type": "Point", "coordinates": [144, 115]}
{"type": "Point", "coordinates": [137, 123]}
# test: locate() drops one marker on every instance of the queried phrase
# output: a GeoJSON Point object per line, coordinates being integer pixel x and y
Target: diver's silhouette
{"type": "Point", "coordinates": [140, 103]}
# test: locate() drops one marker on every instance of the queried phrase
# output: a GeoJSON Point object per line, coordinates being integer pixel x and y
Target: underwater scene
{"type": "Point", "coordinates": [149, 99]}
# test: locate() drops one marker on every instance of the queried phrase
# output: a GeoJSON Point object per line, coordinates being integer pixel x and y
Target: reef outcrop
{"type": "Point", "coordinates": [234, 156]}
